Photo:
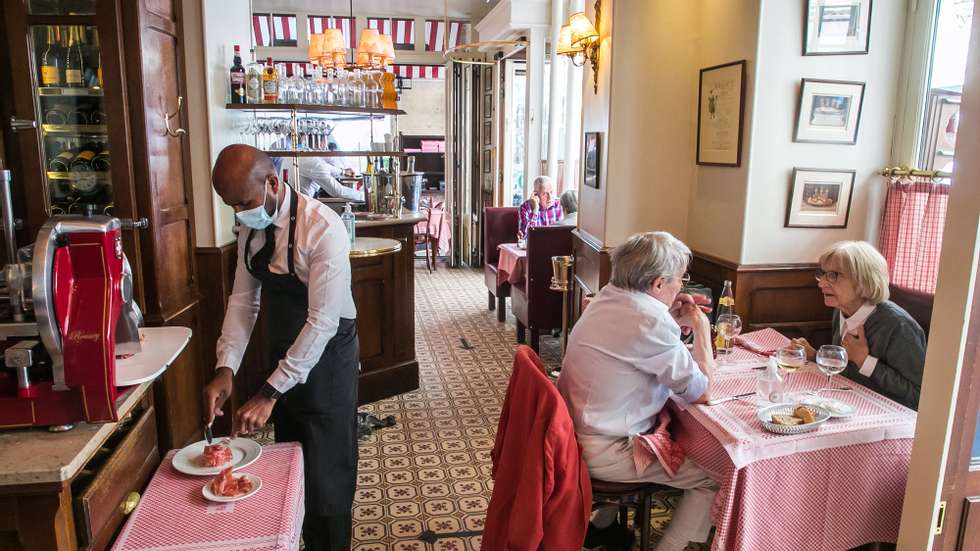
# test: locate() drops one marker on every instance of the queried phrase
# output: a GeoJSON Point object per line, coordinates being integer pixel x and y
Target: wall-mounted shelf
{"type": "Point", "coordinates": [307, 153]}
{"type": "Point", "coordinates": [312, 108]}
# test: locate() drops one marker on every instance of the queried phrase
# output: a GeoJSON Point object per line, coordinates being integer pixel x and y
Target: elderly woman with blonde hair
{"type": "Point", "coordinates": [886, 348]}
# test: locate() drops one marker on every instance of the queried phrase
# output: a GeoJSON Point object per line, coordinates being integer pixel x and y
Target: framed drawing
{"type": "Point", "coordinates": [829, 111]}
{"type": "Point", "coordinates": [593, 162]}
{"type": "Point", "coordinates": [837, 27]}
{"type": "Point", "coordinates": [721, 110]}
{"type": "Point", "coordinates": [819, 198]}
{"type": "Point", "coordinates": [487, 133]}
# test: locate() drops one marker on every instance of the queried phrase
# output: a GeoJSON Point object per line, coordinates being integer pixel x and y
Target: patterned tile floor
{"type": "Point", "coordinates": [428, 477]}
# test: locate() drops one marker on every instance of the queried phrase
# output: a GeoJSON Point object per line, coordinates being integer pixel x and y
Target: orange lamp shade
{"type": "Point", "coordinates": [369, 43]}
{"type": "Point", "coordinates": [583, 32]}
{"type": "Point", "coordinates": [315, 51]}
{"type": "Point", "coordinates": [387, 49]}
{"type": "Point", "coordinates": [333, 41]}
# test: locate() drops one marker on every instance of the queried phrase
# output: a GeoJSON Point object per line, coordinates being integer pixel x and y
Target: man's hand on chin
{"type": "Point", "coordinates": [253, 415]}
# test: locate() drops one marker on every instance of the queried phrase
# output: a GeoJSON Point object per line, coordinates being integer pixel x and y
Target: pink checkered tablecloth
{"type": "Point", "coordinates": [174, 516]}
{"type": "Point", "coordinates": [510, 266]}
{"type": "Point", "coordinates": [839, 487]}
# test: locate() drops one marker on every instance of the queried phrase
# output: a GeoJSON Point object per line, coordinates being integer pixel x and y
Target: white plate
{"type": "Point", "coordinates": [765, 418]}
{"type": "Point", "coordinates": [244, 452]}
{"type": "Point", "coordinates": [256, 486]}
{"type": "Point", "coordinates": [837, 408]}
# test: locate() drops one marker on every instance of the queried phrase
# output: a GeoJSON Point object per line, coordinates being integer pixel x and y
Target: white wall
{"type": "Point", "coordinates": [773, 153]}
{"type": "Point", "coordinates": [425, 107]}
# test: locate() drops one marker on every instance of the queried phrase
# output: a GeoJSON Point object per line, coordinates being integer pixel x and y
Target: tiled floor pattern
{"type": "Point", "coordinates": [430, 473]}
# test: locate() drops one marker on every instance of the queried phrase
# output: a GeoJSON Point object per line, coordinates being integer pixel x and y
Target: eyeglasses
{"type": "Point", "coordinates": [832, 277]}
{"type": "Point", "coordinates": [686, 278]}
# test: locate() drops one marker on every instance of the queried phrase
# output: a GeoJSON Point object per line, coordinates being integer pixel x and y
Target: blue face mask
{"type": "Point", "coordinates": [257, 218]}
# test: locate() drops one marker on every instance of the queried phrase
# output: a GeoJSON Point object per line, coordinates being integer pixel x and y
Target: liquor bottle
{"type": "Point", "coordinates": [74, 66]}
{"type": "Point", "coordinates": [253, 80]}
{"type": "Point", "coordinates": [97, 56]}
{"type": "Point", "coordinates": [62, 162]}
{"type": "Point", "coordinates": [237, 73]}
{"type": "Point", "coordinates": [50, 67]}
{"type": "Point", "coordinates": [726, 305]}
{"type": "Point", "coordinates": [83, 161]}
{"type": "Point", "coordinates": [270, 83]}
{"type": "Point", "coordinates": [349, 221]}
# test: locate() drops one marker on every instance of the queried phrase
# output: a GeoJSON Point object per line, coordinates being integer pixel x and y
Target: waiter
{"type": "Point", "coordinates": [293, 259]}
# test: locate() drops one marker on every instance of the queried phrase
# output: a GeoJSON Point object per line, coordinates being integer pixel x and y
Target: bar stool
{"type": "Point", "coordinates": [627, 495]}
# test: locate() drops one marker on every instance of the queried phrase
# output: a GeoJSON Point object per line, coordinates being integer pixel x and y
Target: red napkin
{"type": "Point", "coordinates": [764, 341]}
{"type": "Point", "coordinates": [658, 446]}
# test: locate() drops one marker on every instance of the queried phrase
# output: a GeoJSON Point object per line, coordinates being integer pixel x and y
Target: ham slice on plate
{"type": "Point", "coordinates": [227, 485]}
{"type": "Point", "coordinates": [216, 455]}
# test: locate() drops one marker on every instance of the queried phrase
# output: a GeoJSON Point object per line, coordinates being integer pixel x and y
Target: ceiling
{"type": "Point", "coordinates": [458, 9]}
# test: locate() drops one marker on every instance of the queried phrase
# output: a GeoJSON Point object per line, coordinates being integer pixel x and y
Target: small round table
{"type": "Point", "coordinates": [367, 247]}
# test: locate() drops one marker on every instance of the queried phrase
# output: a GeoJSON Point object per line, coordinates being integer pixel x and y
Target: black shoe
{"type": "Point", "coordinates": [613, 537]}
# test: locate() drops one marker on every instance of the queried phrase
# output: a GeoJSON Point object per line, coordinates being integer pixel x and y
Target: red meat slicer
{"type": "Point", "coordinates": [70, 295]}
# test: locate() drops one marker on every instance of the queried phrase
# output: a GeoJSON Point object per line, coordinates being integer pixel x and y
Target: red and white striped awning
{"type": "Point", "coordinates": [284, 28]}
{"type": "Point", "coordinates": [261, 34]}
{"type": "Point", "coordinates": [347, 26]}
{"type": "Point", "coordinates": [436, 28]}
{"type": "Point", "coordinates": [404, 30]}
{"type": "Point", "coordinates": [420, 71]}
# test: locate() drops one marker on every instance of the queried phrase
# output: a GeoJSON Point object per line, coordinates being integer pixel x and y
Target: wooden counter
{"type": "Point", "coordinates": [384, 293]}
{"type": "Point", "coordinates": [69, 490]}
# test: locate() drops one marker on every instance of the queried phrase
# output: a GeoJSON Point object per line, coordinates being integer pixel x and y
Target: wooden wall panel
{"type": "Point", "coordinates": [592, 269]}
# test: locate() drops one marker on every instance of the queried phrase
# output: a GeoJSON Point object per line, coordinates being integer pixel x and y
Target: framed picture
{"type": "Point", "coordinates": [829, 111]}
{"type": "Point", "coordinates": [487, 105]}
{"type": "Point", "coordinates": [487, 133]}
{"type": "Point", "coordinates": [486, 160]}
{"type": "Point", "coordinates": [819, 198]}
{"type": "Point", "coordinates": [488, 79]}
{"type": "Point", "coordinates": [721, 110]}
{"type": "Point", "coordinates": [593, 161]}
{"type": "Point", "coordinates": [837, 27]}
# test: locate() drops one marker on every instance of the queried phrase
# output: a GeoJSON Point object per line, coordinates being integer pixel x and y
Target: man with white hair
{"type": "Point", "coordinates": [625, 359]}
{"type": "Point", "coordinates": [540, 209]}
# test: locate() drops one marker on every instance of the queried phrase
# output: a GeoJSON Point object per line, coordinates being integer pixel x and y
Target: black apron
{"type": "Point", "coordinates": [321, 414]}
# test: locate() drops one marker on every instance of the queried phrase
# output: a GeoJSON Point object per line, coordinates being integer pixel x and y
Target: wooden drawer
{"type": "Point", "coordinates": [127, 462]}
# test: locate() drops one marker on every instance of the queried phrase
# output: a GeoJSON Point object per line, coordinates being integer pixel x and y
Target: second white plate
{"type": "Point", "coordinates": [211, 496]}
{"type": "Point", "coordinates": [244, 452]}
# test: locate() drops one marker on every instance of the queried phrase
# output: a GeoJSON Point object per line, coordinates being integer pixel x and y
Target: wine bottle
{"type": "Point", "coordinates": [237, 73]}
{"type": "Point", "coordinates": [83, 161]}
{"type": "Point", "coordinates": [50, 67]}
{"type": "Point", "coordinates": [101, 162]}
{"type": "Point", "coordinates": [62, 161]}
{"type": "Point", "coordinates": [56, 115]}
{"type": "Point", "coordinates": [270, 83]}
{"type": "Point", "coordinates": [74, 66]}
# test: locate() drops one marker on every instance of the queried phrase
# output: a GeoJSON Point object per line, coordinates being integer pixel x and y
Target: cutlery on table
{"type": "Point", "coordinates": [207, 433]}
{"type": "Point", "coordinates": [716, 401]}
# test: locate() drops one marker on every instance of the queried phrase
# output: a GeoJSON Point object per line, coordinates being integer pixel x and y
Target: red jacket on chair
{"type": "Point", "coordinates": [542, 496]}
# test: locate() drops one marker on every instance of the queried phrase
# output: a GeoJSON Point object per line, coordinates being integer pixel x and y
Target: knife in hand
{"type": "Point", "coordinates": [207, 433]}
{"type": "Point", "coordinates": [716, 401]}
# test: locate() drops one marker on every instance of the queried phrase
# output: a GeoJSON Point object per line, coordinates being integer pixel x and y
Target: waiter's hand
{"type": "Point", "coordinates": [348, 172]}
{"type": "Point", "coordinates": [216, 392]}
{"type": "Point", "coordinates": [253, 415]}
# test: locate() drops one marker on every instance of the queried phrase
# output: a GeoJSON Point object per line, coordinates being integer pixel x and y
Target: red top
{"type": "Point", "coordinates": [542, 496]}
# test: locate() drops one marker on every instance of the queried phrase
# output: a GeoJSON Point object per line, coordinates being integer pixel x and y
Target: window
{"type": "Point", "coordinates": [261, 29]}
{"type": "Point", "coordinates": [401, 31]}
{"type": "Point", "coordinates": [947, 70]}
{"type": "Point", "coordinates": [283, 29]}
{"type": "Point", "coordinates": [435, 31]}
{"type": "Point", "coordinates": [347, 26]}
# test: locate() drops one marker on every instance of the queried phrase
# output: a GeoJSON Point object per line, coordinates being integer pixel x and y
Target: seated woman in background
{"type": "Point", "coordinates": [569, 206]}
{"type": "Point", "coordinates": [886, 348]}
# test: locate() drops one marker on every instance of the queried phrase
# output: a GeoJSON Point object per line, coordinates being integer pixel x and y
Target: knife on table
{"type": "Point", "coordinates": [716, 401]}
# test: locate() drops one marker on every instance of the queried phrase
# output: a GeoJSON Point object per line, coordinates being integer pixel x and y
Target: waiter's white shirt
{"type": "Point", "coordinates": [321, 243]}
{"type": "Point", "coordinates": [624, 360]}
{"type": "Point", "coordinates": [850, 324]}
{"type": "Point", "coordinates": [316, 173]}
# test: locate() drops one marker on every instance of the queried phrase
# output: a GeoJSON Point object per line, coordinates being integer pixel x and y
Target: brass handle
{"type": "Point", "coordinates": [174, 133]}
{"type": "Point", "coordinates": [129, 503]}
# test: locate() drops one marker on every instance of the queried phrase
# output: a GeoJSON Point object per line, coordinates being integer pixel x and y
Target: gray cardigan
{"type": "Point", "coordinates": [900, 346]}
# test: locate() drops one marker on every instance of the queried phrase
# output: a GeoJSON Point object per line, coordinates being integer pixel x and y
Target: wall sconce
{"type": "Point", "coordinates": [579, 41]}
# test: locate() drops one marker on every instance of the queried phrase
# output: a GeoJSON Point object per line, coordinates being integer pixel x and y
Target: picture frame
{"type": "Point", "coordinates": [829, 111]}
{"type": "Point", "coordinates": [487, 106]}
{"type": "Point", "coordinates": [721, 114]}
{"type": "Point", "coordinates": [819, 198]}
{"type": "Point", "coordinates": [487, 133]}
{"type": "Point", "coordinates": [486, 160]}
{"type": "Point", "coordinates": [488, 79]}
{"type": "Point", "coordinates": [837, 27]}
{"type": "Point", "coordinates": [592, 160]}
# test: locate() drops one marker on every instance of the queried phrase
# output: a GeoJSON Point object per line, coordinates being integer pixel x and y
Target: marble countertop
{"type": "Point", "coordinates": [36, 456]}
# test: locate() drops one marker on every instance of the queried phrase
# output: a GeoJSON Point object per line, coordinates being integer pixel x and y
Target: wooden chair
{"type": "Point", "coordinates": [499, 226]}
{"type": "Point", "coordinates": [430, 237]}
{"type": "Point", "coordinates": [536, 307]}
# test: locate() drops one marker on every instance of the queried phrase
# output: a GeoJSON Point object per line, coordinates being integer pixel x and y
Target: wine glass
{"type": "Point", "coordinates": [728, 326]}
{"type": "Point", "coordinates": [831, 360]}
{"type": "Point", "coordinates": [791, 358]}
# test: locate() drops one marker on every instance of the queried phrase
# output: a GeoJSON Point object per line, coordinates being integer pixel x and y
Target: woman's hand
{"type": "Point", "coordinates": [811, 353]}
{"type": "Point", "coordinates": [856, 345]}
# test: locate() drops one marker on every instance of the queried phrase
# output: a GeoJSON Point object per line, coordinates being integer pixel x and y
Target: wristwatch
{"type": "Point", "coordinates": [269, 391]}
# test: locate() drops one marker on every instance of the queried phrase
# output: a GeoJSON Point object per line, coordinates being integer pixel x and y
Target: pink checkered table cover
{"type": "Point", "coordinates": [837, 488]}
{"type": "Point", "coordinates": [174, 516]}
{"type": "Point", "coordinates": [510, 266]}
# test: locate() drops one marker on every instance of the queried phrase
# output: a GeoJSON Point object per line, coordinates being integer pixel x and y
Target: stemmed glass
{"type": "Point", "coordinates": [831, 360]}
{"type": "Point", "coordinates": [728, 326]}
{"type": "Point", "coordinates": [791, 358]}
